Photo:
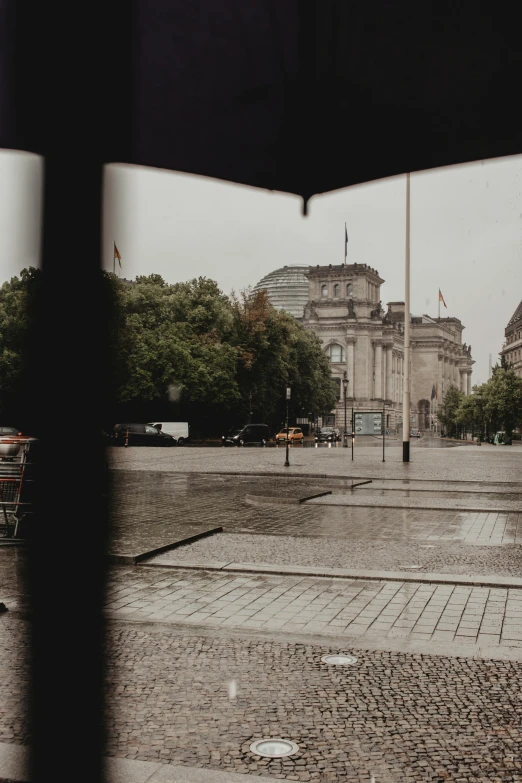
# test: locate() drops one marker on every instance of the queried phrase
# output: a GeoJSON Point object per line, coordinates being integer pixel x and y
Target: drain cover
{"type": "Point", "coordinates": [339, 660]}
{"type": "Point", "coordinates": [274, 748]}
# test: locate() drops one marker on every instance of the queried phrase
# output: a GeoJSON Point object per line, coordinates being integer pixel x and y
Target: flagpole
{"type": "Point", "coordinates": [114, 259]}
{"type": "Point", "coordinates": [406, 390]}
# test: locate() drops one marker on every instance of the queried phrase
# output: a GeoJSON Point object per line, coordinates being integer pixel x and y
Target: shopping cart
{"type": "Point", "coordinates": [15, 481]}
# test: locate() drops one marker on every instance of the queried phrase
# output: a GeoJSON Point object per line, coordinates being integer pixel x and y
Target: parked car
{"type": "Point", "coordinates": [415, 433]}
{"type": "Point", "coordinates": [245, 436]}
{"type": "Point", "coordinates": [295, 435]}
{"type": "Point", "coordinates": [140, 435]}
{"type": "Point", "coordinates": [328, 435]}
{"type": "Point", "coordinates": [178, 429]}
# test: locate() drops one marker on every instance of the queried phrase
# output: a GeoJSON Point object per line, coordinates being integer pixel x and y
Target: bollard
{"type": "Point", "coordinates": [127, 439]}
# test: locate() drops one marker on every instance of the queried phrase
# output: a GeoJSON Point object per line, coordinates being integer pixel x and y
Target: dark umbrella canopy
{"type": "Point", "coordinates": [306, 96]}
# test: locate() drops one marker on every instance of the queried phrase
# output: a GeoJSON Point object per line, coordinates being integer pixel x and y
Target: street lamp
{"type": "Point", "coordinates": [288, 393]}
{"type": "Point", "coordinates": [345, 390]}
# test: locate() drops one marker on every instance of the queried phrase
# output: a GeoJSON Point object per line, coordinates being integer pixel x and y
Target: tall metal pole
{"type": "Point", "coordinates": [406, 390]}
{"type": "Point", "coordinates": [287, 463]}
{"type": "Point", "coordinates": [345, 389]}
{"type": "Point", "coordinates": [353, 430]}
{"type": "Point", "coordinates": [383, 431]}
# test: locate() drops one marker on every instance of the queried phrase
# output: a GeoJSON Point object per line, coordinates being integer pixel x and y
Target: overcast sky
{"type": "Point", "coordinates": [466, 234]}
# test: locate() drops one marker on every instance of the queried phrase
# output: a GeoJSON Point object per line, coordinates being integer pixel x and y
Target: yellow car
{"type": "Point", "coordinates": [295, 435]}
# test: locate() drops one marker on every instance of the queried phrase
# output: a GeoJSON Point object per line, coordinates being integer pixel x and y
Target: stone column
{"type": "Point", "coordinates": [389, 368]}
{"type": "Point", "coordinates": [468, 385]}
{"type": "Point", "coordinates": [463, 381]}
{"type": "Point", "coordinates": [377, 394]}
{"type": "Point", "coordinates": [350, 365]}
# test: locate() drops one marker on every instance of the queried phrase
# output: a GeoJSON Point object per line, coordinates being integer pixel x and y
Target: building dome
{"type": "Point", "coordinates": [287, 288]}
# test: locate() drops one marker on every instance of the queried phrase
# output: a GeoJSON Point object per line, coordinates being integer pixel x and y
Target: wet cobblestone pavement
{"type": "Point", "coordinates": [378, 538]}
{"type": "Point", "coordinates": [443, 557]}
{"type": "Point", "coordinates": [435, 694]}
{"type": "Point", "coordinates": [467, 463]}
{"type": "Point", "coordinates": [394, 715]}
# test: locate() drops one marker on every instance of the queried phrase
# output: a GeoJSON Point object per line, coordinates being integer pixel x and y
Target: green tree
{"type": "Point", "coordinates": [186, 345]}
{"type": "Point", "coordinates": [276, 351]}
{"type": "Point", "coordinates": [502, 400]}
{"type": "Point", "coordinates": [450, 407]}
{"type": "Point", "coordinates": [18, 299]}
{"type": "Point", "coordinates": [469, 414]}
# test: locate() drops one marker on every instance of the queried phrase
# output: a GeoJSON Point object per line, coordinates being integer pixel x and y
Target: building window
{"type": "Point", "coordinates": [338, 390]}
{"type": "Point", "coordinates": [324, 291]}
{"type": "Point", "coordinates": [349, 289]}
{"type": "Point", "coordinates": [337, 289]}
{"type": "Point", "coordinates": [336, 353]}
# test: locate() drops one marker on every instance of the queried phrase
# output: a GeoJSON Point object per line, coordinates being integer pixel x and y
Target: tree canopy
{"type": "Point", "coordinates": [186, 351]}
{"type": "Point", "coordinates": [494, 406]}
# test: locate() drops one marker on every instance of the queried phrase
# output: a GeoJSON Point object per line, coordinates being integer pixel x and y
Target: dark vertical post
{"type": "Point", "coordinates": [383, 431]}
{"type": "Point", "coordinates": [353, 430]}
{"type": "Point", "coordinates": [288, 392]}
{"type": "Point", "coordinates": [345, 391]}
{"type": "Point", "coordinates": [71, 100]}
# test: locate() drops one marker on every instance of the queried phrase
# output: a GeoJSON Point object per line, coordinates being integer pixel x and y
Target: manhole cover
{"type": "Point", "coordinates": [274, 748]}
{"type": "Point", "coordinates": [339, 660]}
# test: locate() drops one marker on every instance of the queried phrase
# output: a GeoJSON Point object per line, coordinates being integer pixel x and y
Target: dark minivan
{"type": "Point", "coordinates": [140, 435]}
{"type": "Point", "coordinates": [245, 436]}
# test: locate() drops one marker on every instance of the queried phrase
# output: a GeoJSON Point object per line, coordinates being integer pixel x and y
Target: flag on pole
{"type": "Point", "coordinates": [441, 299]}
{"type": "Point", "coordinates": [117, 255]}
{"type": "Point", "coordinates": [433, 392]}
{"type": "Point", "coordinates": [345, 242]}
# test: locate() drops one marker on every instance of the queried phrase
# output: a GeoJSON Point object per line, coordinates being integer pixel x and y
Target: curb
{"type": "Point", "coordinates": [329, 476]}
{"type": "Point", "coordinates": [134, 559]}
{"type": "Point", "coordinates": [346, 573]}
{"type": "Point", "coordinates": [463, 509]}
{"type": "Point", "coordinates": [14, 766]}
{"type": "Point", "coordinates": [259, 500]}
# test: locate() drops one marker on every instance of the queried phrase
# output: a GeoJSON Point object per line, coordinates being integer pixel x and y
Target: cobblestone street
{"type": "Point", "coordinates": [205, 657]}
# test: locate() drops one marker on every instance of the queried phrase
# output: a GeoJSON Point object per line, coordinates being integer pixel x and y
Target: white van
{"type": "Point", "coordinates": [178, 429]}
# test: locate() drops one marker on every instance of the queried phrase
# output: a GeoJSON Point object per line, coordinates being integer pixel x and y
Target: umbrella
{"type": "Point", "coordinates": [305, 96]}
{"type": "Point", "coordinates": [301, 96]}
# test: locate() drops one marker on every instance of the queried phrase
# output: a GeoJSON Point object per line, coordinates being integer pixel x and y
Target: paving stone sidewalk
{"type": "Point", "coordinates": [370, 610]}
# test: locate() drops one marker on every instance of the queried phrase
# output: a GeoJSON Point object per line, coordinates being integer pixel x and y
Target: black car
{"type": "Point", "coordinates": [245, 436]}
{"type": "Point", "coordinates": [328, 435]}
{"type": "Point", "coordinates": [133, 434]}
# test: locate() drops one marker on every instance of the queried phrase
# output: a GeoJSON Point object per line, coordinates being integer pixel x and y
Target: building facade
{"type": "Point", "coordinates": [366, 342]}
{"type": "Point", "coordinates": [511, 352]}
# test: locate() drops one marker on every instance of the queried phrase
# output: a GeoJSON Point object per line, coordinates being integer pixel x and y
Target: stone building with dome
{"type": "Point", "coordinates": [287, 288]}
{"type": "Point", "coordinates": [344, 308]}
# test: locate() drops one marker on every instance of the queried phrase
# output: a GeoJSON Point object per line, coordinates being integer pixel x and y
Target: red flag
{"type": "Point", "coordinates": [117, 255]}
